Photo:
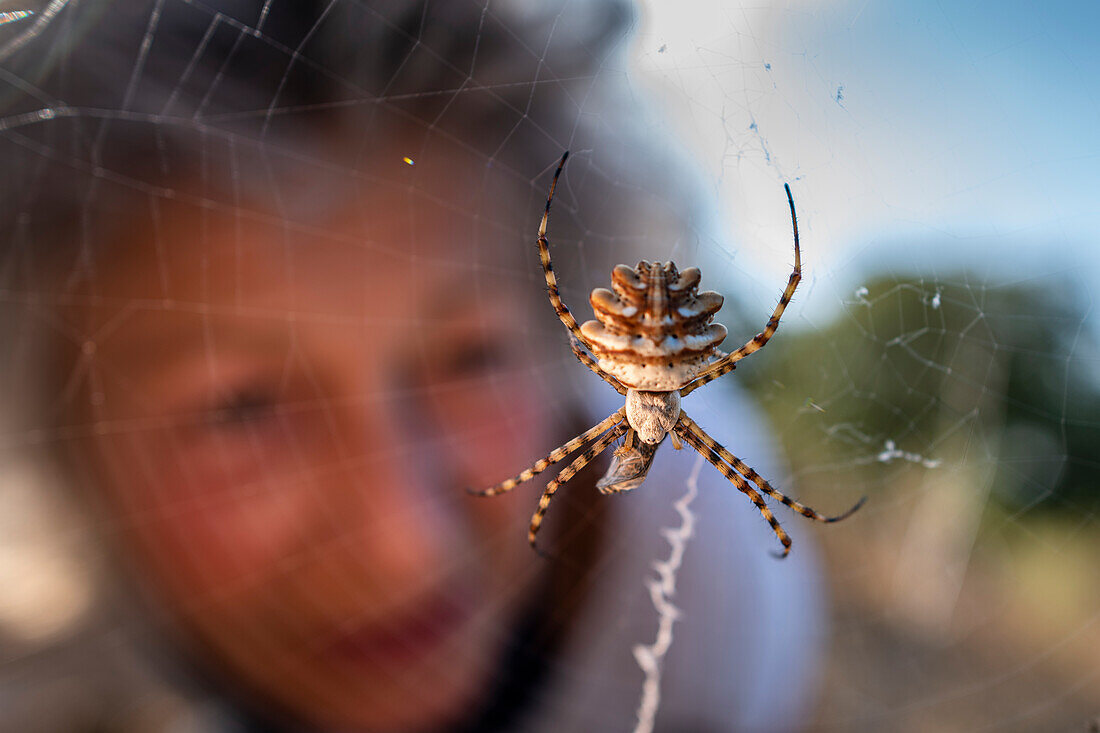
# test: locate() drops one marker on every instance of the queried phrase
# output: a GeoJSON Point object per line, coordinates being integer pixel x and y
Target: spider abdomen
{"type": "Point", "coordinates": [654, 331]}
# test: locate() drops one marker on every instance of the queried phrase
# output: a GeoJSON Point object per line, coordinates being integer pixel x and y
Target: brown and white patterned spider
{"type": "Point", "coordinates": [655, 343]}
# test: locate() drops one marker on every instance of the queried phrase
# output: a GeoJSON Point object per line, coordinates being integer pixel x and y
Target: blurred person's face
{"type": "Point", "coordinates": [284, 425]}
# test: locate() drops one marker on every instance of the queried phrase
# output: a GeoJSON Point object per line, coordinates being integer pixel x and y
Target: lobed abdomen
{"type": "Point", "coordinates": [654, 331]}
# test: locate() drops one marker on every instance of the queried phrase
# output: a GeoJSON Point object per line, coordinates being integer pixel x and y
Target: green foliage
{"type": "Point", "coordinates": [946, 373]}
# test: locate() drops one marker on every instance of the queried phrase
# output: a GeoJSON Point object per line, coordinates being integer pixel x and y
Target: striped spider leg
{"type": "Point", "coordinates": [548, 268]}
{"type": "Point", "coordinates": [608, 431]}
{"type": "Point", "coordinates": [567, 473]}
{"type": "Point", "coordinates": [736, 470]}
{"type": "Point", "coordinates": [555, 456]}
{"type": "Point", "coordinates": [576, 338]}
{"type": "Point", "coordinates": [726, 364]}
{"type": "Point", "coordinates": [589, 362]}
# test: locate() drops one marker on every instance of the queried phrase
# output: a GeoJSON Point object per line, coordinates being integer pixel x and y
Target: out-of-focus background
{"type": "Point", "coordinates": [944, 353]}
{"type": "Point", "coordinates": [942, 356]}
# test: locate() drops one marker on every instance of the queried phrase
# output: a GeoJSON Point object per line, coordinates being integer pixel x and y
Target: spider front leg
{"type": "Point", "coordinates": [555, 456]}
{"type": "Point", "coordinates": [725, 364]}
{"type": "Point", "coordinates": [567, 473]}
{"type": "Point", "coordinates": [548, 268]}
{"type": "Point", "coordinates": [690, 425]}
{"type": "Point", "coordinates": [707, 378]}
{"type": "Point", "coordinates": [589, 362]}
{"type": "Point", "coordinates": [716, 461]}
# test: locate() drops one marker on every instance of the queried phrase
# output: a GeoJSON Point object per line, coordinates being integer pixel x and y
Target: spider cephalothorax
{"type": "Point", "coordinates": [655, 341]}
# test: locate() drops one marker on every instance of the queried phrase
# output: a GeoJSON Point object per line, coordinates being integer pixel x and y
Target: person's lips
{"type": "Point", "coordinates": [408, 634]}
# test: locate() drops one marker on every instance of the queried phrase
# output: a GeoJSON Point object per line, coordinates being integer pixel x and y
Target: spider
{"type": "Point", "coordinates": [654, 342]}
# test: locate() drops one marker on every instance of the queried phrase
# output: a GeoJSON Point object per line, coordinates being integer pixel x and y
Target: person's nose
{"type": "Point", "coordinates": [392, 503]}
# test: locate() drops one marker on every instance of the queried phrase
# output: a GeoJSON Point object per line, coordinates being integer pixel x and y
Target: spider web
{"type": "Point", "coordinates": [940, 356]}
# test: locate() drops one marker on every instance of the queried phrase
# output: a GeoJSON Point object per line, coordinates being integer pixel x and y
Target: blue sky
{"type": "Point", "coordinates": [917, 135]}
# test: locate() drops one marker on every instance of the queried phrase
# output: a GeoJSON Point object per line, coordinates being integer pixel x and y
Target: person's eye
{"type": "Point", "coordinates": [473, 359]}
{"type": "Point", "coordinates": [243, 406]}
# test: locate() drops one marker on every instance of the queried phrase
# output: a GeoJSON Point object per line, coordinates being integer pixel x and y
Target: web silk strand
{"type": "Point", "coordinates": [661, 590]}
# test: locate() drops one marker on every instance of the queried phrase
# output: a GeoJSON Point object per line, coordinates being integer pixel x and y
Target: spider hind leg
{"type": "Point", "coordinates": [748, 472]}
{"type": "Point", "coordinates": [735, 478]}
{"type": "Point", "coordinates": [567, 473]}
{"type": "Point", "coordinates": [555, 456]}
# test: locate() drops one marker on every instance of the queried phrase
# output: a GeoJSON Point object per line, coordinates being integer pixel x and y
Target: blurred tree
{"type": "Point", "coordinates": [922, 373]}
